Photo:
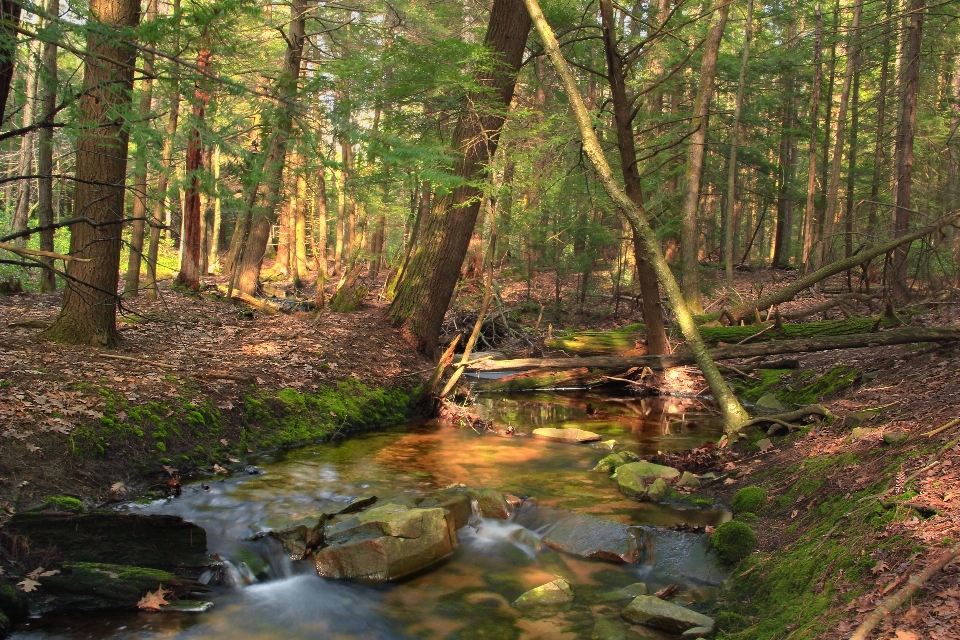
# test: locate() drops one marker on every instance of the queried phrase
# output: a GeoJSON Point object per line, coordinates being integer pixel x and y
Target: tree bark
{"type": "Point", "coordinates": [427, 287]}
{"type": "Point", "coordinates": [131, 280]}
{"type": "Point", "coordinates": [879, 157]}
{"type": "Point", "coordinates": [10, 12]}
{"type": "Point", "coordinates": [788, 165]}
{"type": "Point", "coordinates": [21, 212]}
{"type": "Point", "coordinates": [657, 342]}
{"type": "Point", "coordinates": [905, 136]}
{"type": "Point", "coordinates": [728, 250]}
{"type": "Point", "coordinates": [809, 212]}
{"type": "Point", "coordinates": [213, 257]}
{"type": "Point", "coordinates": [733, 413]}
{"type": "Point", "coordinates": [689, 237]}
{"type": "Point", "coordinates": [89, 311]}
{"type": "Point", "coordinates": [48, 103]}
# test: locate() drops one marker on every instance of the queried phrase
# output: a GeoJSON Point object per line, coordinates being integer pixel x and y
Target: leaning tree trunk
{"type": "Point", "coordinates": [265, 215]}
{"type": "Point", "coordinates": [427, 287]}
{"type": "Point", "coordinates": [908, 125]}
{"type": "Point", "coordinates": [89, 311]}
{"type": "Point", "coordinates": [689, 240]}
{"type": "Point", "coordinates": [48, 104]}
{"type": "Point", "coordinates": [10, 12]}
{"type": "Point", "coordinates": [657, 342]}
{"type": "Point", "coordinates": [733, 413]}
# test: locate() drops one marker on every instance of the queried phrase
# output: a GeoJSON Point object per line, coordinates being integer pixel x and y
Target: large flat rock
{"type": "Point", "coordinates": [654, 612]}
{"type": "Point", "coordinates": [592, 537]}
{"type": "Point", "coordinates": [556, 592]}
{"type": "Point", "coordinates": [566, 435]}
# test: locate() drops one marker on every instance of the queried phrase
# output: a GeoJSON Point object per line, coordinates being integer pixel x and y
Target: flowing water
{"type": "Point", "coordinates": [469, 595]}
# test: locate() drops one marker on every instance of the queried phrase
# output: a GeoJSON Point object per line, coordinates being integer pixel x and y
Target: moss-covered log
{"type": "Point", "coordinates": [539, 379]}
{"type": "Point", "coordinates": [624, 339]}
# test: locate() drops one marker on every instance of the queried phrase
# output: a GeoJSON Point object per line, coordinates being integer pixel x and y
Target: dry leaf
{"type": "Point", "coordinates": [794, 514]}
{"type": "Point", "coordinates": [154, 600]}
{"type": "Point", "coordinates": [218, 469]}
{"type": "Point", "coordinates": [729, 481]}
{"type": "Point", "coordinates": [233, 460]}
{"type": "Point", "coordinates": [880, 567]}
{"type": "Point", "coordinates": [906, 635]}
{"type": "Point", "coordinates": [32, 449]}
{"type": "Point", "coordinates": [28, 585]}
{"type": "Point", "coordinates": [224, 442]}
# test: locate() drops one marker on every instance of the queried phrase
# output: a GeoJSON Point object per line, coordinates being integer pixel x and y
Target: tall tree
{"type": "Point", "coordinates": [48, 104]}
{"type": "Point", "coordinates": [10, 14]}
{"type": "Point", "coordinates": [905, 138]}
{"type": "Point", "coordinates": [21, 213]}
{"type": "Point", "coordinates": [89, 311]}
{"type": "Point", "coordinates": [428, 283]}
{"type": "Point", "coordinates": [809, 212]}
{"type": "Point", "coordinates": [689, 235]}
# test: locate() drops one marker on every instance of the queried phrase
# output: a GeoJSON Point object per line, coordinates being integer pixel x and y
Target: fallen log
{"type": "Point", "coordinates": [529, 380]}
{"type": "Point", "coordinates": [887, 338]}
{"type": "Point", "coordinates": [259, 305]}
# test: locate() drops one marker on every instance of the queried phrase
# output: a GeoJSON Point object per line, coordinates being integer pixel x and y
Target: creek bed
{"type": "Point", "coordinates": [470, 594]}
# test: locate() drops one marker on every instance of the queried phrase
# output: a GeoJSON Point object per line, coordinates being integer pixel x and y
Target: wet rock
{"type": "Point", "coordinates": [188, 606]}
{"type": "Point", "coordinates": [556, 592]}
{"type": "Point", "coordinates": [91, 586]}
{"type": "Point", "coordinates": [302, 535]}
{"type": "Point", "coordinates": [646, 469]}
{"type": "Point", "coordinates": [566, 435]}
{"type": "Point", "coordinates": [764, 444]}
{"type": "Point", "coordinates": [607, 445]}
{"type": "Point", "coordinates": [708, 477]}
{"type": "Point", "coordinates": [610, 463]}
{"type": "Point", "coordinates": [155, 541]}
{"type": "Point", "coordinates": [604, 629]}
{"type": "Point", "coordinates": [456, 502]}
{"type": "Point", "coordinates": [697, 632]}
{"type": "Point", "coordinates": [632, 591]}
{"type": "Point", "coordinates": [386, 543]}
{"type": "Point", "coordinates": [689, 481]}
{"type": "Point", "coordinates": [592, 537]}
{"type": "Point", "coordinates": [654, 612]}
{"type": "Point", "coordinates": [770, 403]}
{"type": "Point", "coordinates": [657, 490]}
{"type": "Point", "coordinates": [490, 503]}
{"type": "Point", "coordinates": [630, 482]}
{"type": "Point", "coordinates": [13, 603]}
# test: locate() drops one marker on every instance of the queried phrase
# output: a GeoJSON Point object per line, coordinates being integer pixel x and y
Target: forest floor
{"type": "Point", "coordinates": [202, 361]}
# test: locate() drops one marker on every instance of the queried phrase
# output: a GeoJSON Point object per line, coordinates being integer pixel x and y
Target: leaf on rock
{"type": "Point", "coordinates": [27, 585]}
{"type": "Point", "coordinates": [154, 600]}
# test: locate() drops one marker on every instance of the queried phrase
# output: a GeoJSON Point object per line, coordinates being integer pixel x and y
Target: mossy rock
{"type": "Point", "coordinates": [92, 586]}
{"type": "Point", "coordinates": [746, 517]}
{"type": "Point", "coordinates": [5, 625]}
{"type": "Point", "coordinates": [733, 541]}
{"type": "Point", "coordinates": [748, 500]}
{"type": "Point", "coordinates": [730, 622]}
{"type": "Point", "coordinates": [59, 503]}
{"type": "Point", "coordinates": [12, 603]}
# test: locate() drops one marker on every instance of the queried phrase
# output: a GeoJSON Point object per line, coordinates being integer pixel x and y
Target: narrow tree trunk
{"type": "Point", "coordinates": [425, 292]}
{"type": "Point", "coordinates": [905, 136]}
{"type": "Point", "coordinates": [879, 157]}
{"type": "Point", "coordinates": [10, 13]}
{"type": "Point", "coordinates": [833, 190]}
{"type": "Point", "coordinates": [89, 311]}
{"type": "Point", "coordinates": [728, 250]}
{"type": "Point", "coordinates": [827, 115]}
{"type": "Point", "coordinates": [657, 342]}
{"type": "Point", "coordinates": [809, 212]}
{"type": "Point", "coordinates": [131, 281]}
{"type": "Point", "coordinates": [320, 227]}
{"type": "Point", "coordinates": [213, 257]}
{"type": "Point", "coordinates": [733, 413]}
{"type": "Point", "coordinates": [21, 213]}
{"type": "Point", "coordinates": [48, 103]}
{"type": "Point", "coordinates": [689, 245]}
{"type": "Point", "coordinates": [788, 163]}
{"type": "Point", "coordinates": [300, 230]}
{"type": "Point", "coordinates": [852, 164]}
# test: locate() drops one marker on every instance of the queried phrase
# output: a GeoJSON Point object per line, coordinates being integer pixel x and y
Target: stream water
{"type": "Point", "coordinates": [469, 595]}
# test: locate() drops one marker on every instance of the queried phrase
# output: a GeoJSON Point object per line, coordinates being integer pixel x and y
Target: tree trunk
{"type": "Point", "coordinates": [852, 164]}
{"type": "Point", "coordinates": [827, 115]}
{"type": "Point", "coordinates": [299, 223]}
{"type": "Point", "coordinates": [833, 189]}
{"type": "Point", "coordinates": [264, 215]}
{"type": "Point", "coordinates": [657, 342]}
{"type": "Point", "coordinates": [809, 212]}
{"type": "Point", "coordinates": [213, 257]}
{"type": "Point", "coordinates": [48, 103]}
{"type": "Point", "coordinates": [89, 311]}
{"type": "Point", "coordinates": [879, 157]}
{"type": "Point", "coordinates": [425, 292]}
{"type": "Point", "coordinates": [734, 143]}
{"type": "Point", "coordinates": [10, 12]}
{"type": "Point", "coordinates": [21, 214]}
{"type": "Point", "coordinates": [689, 245]}
{"type": "Point", "coordinates": [189, 276]}
{"type": "Point", "coordinates": [131, 280]}
{"type": "Point", "coordinates": [905, 136]}
{"type": "Point", "coordinates": [733, 413]}
{"type": "Point", "coordinates": [788, 164]}
{"type": "Point", "coordinates": [320, 227]}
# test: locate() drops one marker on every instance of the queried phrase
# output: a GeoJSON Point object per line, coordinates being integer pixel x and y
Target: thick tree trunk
{"type": "Point", "coordinates": [728, 225]}
{"type": "Point", "coordinates": [657, 342]}
{"type": "Point", "coordinates": [689, 237]}
{"type": "Point", "coordinates": [905, 136]}
{"type": "Point", "coordinates": [265, 215]}
{"type": "Point", "coordinates": [48, 103]}
{"type": "Point", "coordinates": [427, 287]}
{"type": "Point", "coordinates": [189, 276]}
{"type": "Point", "coordinates": [131, 280]}
{"type": "Point", "coordinates": [733, 413]}
{"type": "Point", "coordinates": [10, 13]}
{"type": "Point", "coordinates": [89, 311]}
{"type": "Point", "coordinates": [809, 212]}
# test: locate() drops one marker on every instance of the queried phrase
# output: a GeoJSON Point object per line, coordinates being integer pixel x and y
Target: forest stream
{"type": "Point", "coordinates": [263, 594]}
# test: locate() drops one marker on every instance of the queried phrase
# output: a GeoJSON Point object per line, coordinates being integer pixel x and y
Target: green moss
{"type": "Point", "coordinates": [5, 625]}
{"type": "Point", "coordinates": [796, 388]}
{"type": "Point", "coordinates": [748, 500]}
{"type": "Point", "coordinates": [728, 621]}
{"type": "Point", "coordinates": [12, 603]}
{"type": "Point", "coordinates": [60, 503]}
{"type": "Point", "coordinates": [733, 541]}
{"type": "Point", "coordinates": [746, 517]}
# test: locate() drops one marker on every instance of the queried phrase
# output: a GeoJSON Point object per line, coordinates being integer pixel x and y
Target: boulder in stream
{"type": "Point", "coordinates": [566, 435]}
{"type": "Point", "coordinates": [556, 592]}
{"type": "Point", "coordinates": [386, 543]}
{"type": "Point", "coordinates": [646, 469]}
{"type": "Point", "coordinates": [689, 481]}
{"type": "Point", "coordinates": [490, 503]}
{"type": "Point", "coordinates": [654, 612]}
{"type": "Point", "coordinates": [592, 537]}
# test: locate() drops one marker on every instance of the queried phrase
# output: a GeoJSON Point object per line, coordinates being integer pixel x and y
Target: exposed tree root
{"type": "Point", "coordinates": [787, 419]}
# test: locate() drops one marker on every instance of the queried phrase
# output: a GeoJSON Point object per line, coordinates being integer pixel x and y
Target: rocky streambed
{"type": "Point", "coordinates": [417, 532]}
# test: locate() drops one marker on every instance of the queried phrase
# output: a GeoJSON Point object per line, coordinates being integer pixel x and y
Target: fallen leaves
{"type": "Point", "coordinates": [40, 572]}
{"type": "Point", "coordinates": [154, 599]}
{"type": "Point", "coordinates": [880, 567]}
{"type": "Point", "coordinates": [27, 585]}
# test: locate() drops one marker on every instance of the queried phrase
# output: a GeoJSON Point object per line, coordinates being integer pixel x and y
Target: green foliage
{"type": "Point", "coordinates": [748, 500]}
{"type": "Point", "coordinates": [733, 541]}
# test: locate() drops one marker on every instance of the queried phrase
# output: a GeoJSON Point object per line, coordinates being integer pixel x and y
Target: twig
{"type": "Point", "coordinates": [758, 333]}
{"type": "Point", "coordinates": [914, 582]}
{"type": "Point", "coordinates": [20, 251]}
{"type": "Point", "coordinates": [953, 422]}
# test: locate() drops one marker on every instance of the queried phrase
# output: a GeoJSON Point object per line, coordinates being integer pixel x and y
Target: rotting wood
{"type": "Point", "coordinates": [888, 338]}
